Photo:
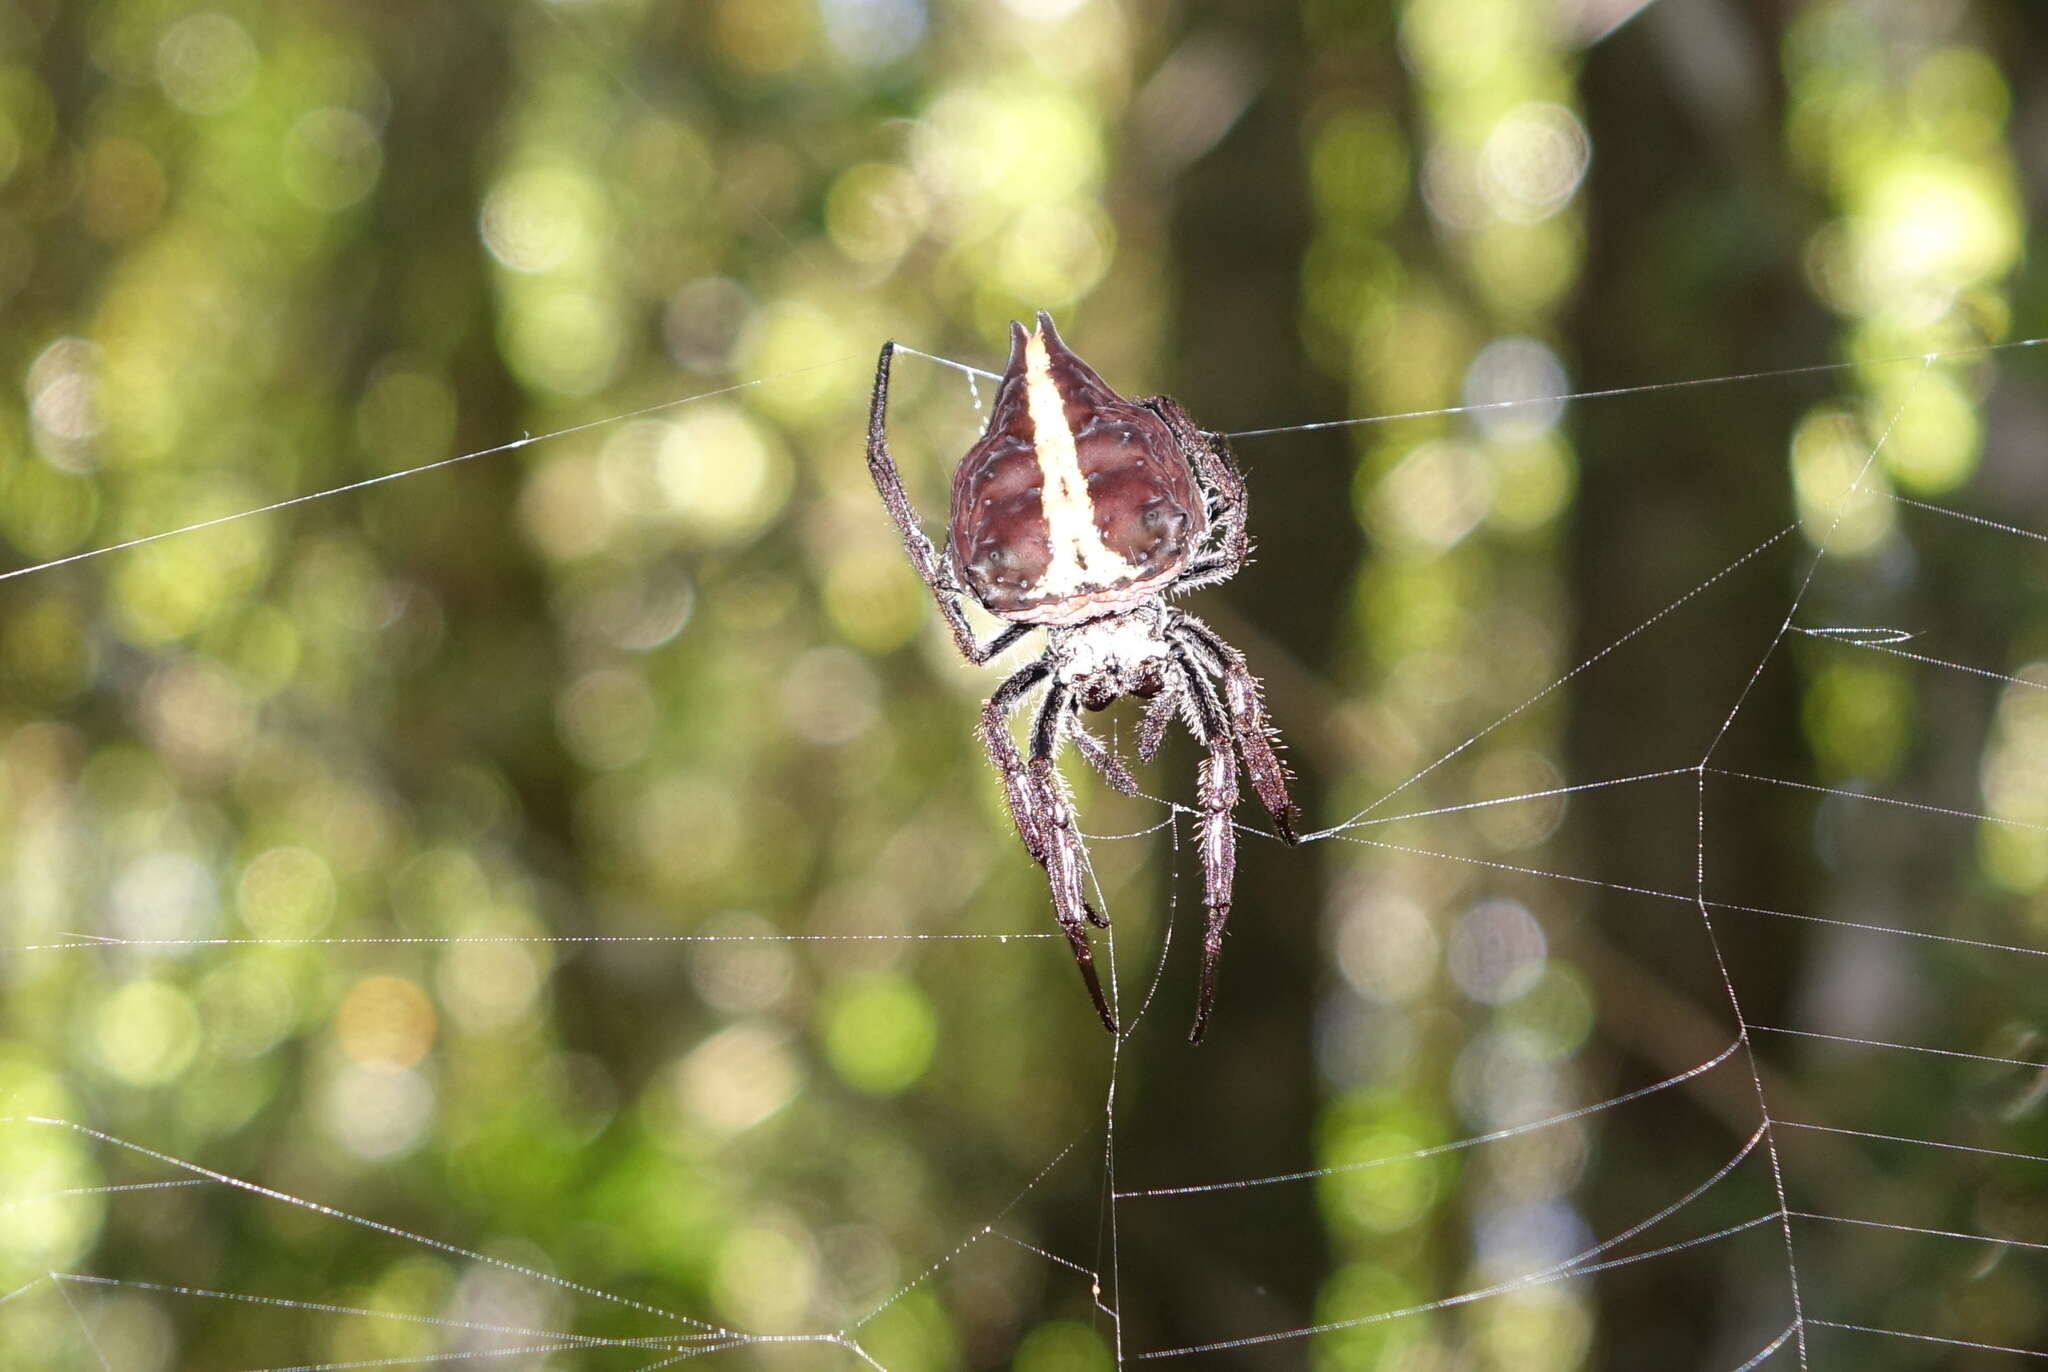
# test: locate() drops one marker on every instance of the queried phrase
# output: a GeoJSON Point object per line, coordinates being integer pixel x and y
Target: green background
{"type": "Point", "coordinates": [576, 861]}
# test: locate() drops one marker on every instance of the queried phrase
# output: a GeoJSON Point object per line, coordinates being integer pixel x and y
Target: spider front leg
{"type": "Point", "coordinates": [1043, 814]}
{"type": "Point", "coordinates": [1066, 867]}
{"type": "Point", "coordinates": [1255, 734]}
{"type": "Point", "coordinates": [923, 556]}
{"type": "Point", "coordinates": [1216, 841]}
{"type": "Point", "coordinates": [1018, 788]}
{"type": "Point", "coordinates": [1066, 861]}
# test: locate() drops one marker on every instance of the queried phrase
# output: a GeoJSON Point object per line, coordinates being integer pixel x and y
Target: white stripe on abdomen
{"type": "Point", "coordinates": [1079, 556]}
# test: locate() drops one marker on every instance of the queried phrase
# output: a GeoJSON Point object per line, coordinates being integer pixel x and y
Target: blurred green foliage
{"type": "Point", "coordinates": [541, 902]}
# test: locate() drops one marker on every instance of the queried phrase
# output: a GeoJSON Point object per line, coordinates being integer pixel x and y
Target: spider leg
{"type": "Point", "coordinates": [1102, 757]}
{"type": "Point", "coordinates": [1042, 813]}
{"type": "Point", "coordinates": [1158, 714]}
{"type": "Point", "coordinates": [1229, 500]}
{"type": "Point", "coordinates": [931, 568]}
{"type": "Point", "coordinates": [1018, 788]}
{"type": "Point", "coordinates": [1065, 860]}
{"type": "Point", "coordinates": [1216, 791]}
{"type": "Point", "coordinates": [1256, 737]}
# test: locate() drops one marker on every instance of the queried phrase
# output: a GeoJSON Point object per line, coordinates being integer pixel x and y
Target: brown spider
{"type": "Point", "coordinates": [1079, 512]}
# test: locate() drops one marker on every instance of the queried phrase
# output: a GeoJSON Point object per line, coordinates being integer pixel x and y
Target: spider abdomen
{"type": "Point", "coordinates": [1076, 502]}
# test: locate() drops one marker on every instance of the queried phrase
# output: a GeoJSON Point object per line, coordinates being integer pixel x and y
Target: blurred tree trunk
{"type": "Point", "coordinates": [1244, 1102]}
{"type": "Point", "coordinates": [1692, 272]}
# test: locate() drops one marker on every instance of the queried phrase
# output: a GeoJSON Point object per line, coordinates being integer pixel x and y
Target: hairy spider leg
{"type": "Point", "coordinates": [1053, 721]}
{"type": "Point", "coordinates": [1217, 471]}
{"type": "Point", "coordinates": [1043, 813]}
{"type": "Point", "coordinates": [1100, 756]}
{"type": "Point", "coordinates": [1066, 866]}
{"type": "Point", "coordinates": [936, 572]}
{"type": "Point", "coordinates": [1158, 715]}
{"type": "Point", "coordinates": [1257, 739]}
{"type": "Point", "coordinates": [1216, 840]}
{"type": "Point", "coordinates": [1002, 751]}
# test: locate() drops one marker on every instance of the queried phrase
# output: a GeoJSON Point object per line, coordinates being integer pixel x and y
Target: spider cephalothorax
{"type": "Point", "coordinates": [1079, 512]}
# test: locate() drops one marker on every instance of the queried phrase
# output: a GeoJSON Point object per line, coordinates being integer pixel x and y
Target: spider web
{"type": "Point", "coordinates": [1853, 1193]}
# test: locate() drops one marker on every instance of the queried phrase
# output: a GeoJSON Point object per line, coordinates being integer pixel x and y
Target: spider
{"type": "Point", "coordinates": [1080, 512]}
